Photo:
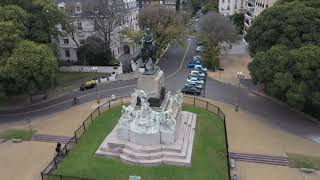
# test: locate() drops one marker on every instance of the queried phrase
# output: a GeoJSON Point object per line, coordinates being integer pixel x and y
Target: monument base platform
{"type": "Point", "coordinates": [179, 153]}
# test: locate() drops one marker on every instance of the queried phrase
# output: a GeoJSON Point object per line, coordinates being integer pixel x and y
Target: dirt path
{"type": "Point", "coordinates": [232, 64]}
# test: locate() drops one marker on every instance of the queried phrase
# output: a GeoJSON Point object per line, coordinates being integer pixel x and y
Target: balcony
{"type": "Point", "coordinates": [247, 23]}
{"type": "Point", "coordinates": [248, 15]}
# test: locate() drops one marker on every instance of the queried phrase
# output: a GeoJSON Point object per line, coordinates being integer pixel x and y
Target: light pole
{"type": "Point", "coordinates": [95, 69]}
{"type": "Point", "coordinates": [240, 76]}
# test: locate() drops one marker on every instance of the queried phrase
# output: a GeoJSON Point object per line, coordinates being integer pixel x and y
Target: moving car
{"type": "Point", "coordinates": [191, 90]}
{"type": "Point", "coordinates": [88, 85]}
{"type": "Point", "coordinates": [196, 80]}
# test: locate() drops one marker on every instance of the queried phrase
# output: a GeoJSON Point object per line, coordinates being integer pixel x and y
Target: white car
{"type": "Point", "coordinates": [197, 73]}
{"type": "Point", "coordinates": [198, 66]}
{"type": "Point", "coordinates": [196, 80]}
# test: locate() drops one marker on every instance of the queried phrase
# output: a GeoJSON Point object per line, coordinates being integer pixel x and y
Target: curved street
{"type": "Point", "coordinates": [174, 64]}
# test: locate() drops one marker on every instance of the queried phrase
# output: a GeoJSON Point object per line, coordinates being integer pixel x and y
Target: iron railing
{"type": "Point", "coordinates": [47, 173]}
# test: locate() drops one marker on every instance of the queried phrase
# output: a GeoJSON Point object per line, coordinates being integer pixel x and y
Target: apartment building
{"type": "Point", "coordinates": [76, 9]}
{"type": "Point", "coordinates": [253, 9]}
{"type": "Point", "coordinates": [230, 7]}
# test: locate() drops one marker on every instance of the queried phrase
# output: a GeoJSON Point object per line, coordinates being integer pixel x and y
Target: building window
{"type": "Point", "coordinates": [81, 41]}
{"type": "Point", "coordinates": [118, 50]}
{"type": "Point", "coordinates": [228, 7]}
{"type": "Point", "coordinates": [79, 26]}
{"type": "Point", "coordinates": [66, 41]}
{"type": "Point", "coordinates": [78, 9]}
{"type": "Point", "coordinates": [67, 52]}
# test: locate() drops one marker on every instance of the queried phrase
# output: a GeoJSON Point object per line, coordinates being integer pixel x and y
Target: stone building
{"type": "Point", "coordinates": [253, 9]}
{"type": "Point", "coordinates": [77, 10]}
{"type": "Point", "coordinates": [230, 7]}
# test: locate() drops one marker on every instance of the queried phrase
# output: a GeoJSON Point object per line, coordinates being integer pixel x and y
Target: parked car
{"type": "Point", "coordinates": [200, 67]}
{"type": "Point", "coordinates": [194, 79]}
{"type": "Point", "coordinates": [88, 85]}
{"type": "Point", "coordinates": [203, 78]}
{"type": "Point", "coordinates": [191, 90]}
{"type": "Point", "coordinates": [198, 49]}
{"type": "Point", "coordinates": [197, 73]}
{"type": "Point", "coordinates": [194, 84]}
{"type": "Point", "coordinates": [192, 64]}
{"type": "Point", "coordinates": [196, 58]}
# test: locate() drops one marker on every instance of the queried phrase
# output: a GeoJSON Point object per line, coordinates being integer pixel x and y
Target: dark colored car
{"type": "Point", "coordinates": [191, 90]}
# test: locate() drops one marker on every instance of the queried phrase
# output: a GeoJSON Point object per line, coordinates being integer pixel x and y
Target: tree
{"type": "Point", "coordinates": [215, 30]}
{"type": "Point", "coordinates": [30, 69]}
{"type": "Point", "coordinates": [91, 53]}
{"type": "Point", "coordinates": [45, 16]}
{"type": "Point", "coordinates": [167, 25]}
{"type": "Point", "coordinates": [107, 16]}
{"type": "Point", "coordinates": [17, 15]}
{"type": "Point", "coordinates": [13, 28]}
{"type": "Point", "coordinates": [292, 76]}
{"type": "Point", "coordinates": [293, 24]}
{"type": "Point", "coordinates": [238, 20]}
{"type": "Point", "coordinates": [177, 5]}
{"type": "Point", "coordinates": [10, 34]}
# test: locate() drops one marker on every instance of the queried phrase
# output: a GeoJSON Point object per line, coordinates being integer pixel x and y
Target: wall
{"type": "Point", "coordinates": [100, 69]}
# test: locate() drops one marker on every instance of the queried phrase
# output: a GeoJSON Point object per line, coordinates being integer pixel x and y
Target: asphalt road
{"type": "Point", "coordinates": [174, 64]}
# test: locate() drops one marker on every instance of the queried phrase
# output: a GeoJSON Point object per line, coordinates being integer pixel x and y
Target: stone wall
{"type": "Point", "coordinates": [100, 69]}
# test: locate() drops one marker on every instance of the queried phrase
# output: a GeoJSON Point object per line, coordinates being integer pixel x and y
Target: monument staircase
{"type": "Point", "coordinates": [179, 153]}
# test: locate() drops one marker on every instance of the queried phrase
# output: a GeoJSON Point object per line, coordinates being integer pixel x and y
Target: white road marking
{"type": "Point", "coordinates": [184, 57]}
{"type": "Point", "coordinates": [66, 101]}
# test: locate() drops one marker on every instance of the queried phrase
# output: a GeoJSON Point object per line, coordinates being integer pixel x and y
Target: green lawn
{"type": "Point", "coordinates": [22, 134]}
{"type": "Point", "coordinates": [68, 81]}
{"type": "Point", "coordinates": [209, 160]}
{"type": "Point", "coordinates": [303, 161]}
{"type": "Point", "coordinates": [64, 78]}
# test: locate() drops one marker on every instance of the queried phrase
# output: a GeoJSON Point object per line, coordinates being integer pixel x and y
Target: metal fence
{"type": "Point", "coordinates": [47, 173]}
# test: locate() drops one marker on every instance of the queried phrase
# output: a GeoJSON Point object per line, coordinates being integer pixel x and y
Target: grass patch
{"type": "Point", "coordinates": [69, 77]}
{"type": "Point", "coordinates": [303, 161]}
{"type": "Point", "coordinates": [209, 153]}
{"type": "Point", "coordinates": [22, 134]}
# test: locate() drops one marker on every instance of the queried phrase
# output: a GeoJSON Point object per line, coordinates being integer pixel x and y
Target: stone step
{"type": "Point", "coordinates": [145, 162]}
{"type": "Point", "coordinates": [106, 153]}
{"type": "Point", "coordinates": [182, 154]}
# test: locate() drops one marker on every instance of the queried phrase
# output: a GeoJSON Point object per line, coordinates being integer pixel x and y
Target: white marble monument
{"type": "Point", "coordinates": [152, 136]}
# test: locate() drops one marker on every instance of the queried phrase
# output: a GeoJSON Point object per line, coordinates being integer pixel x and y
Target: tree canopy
{"type": "Point", "coordinates": [25, 65]}
{"type": "Point", "coordinates": [293, 23]}
{"type": "Point", "coordinates": [167, 24]}
{"type": "Point", "coordinates": [215, 30]}
{"type": "Point", "coordinates": [292, 76]}
{"type": "Point", "coordinates": [30, 68]}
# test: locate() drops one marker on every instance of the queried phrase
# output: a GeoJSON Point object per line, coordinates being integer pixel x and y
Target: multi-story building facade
{"type": "Point", "coordinates": [84, 27]}
{"type": "Point", "coordinates": [230, 7]}
{"type": "Point", "coordinates": [253, 9]}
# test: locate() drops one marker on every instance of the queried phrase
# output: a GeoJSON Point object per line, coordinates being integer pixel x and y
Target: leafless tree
{"type": "Point", "coordinates": [107, 16]}
{"type": "Point", "coordinates": [217, 28]}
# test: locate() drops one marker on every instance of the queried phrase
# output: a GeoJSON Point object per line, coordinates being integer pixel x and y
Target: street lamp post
{"type": "Point", "coordinates": [240, 76]}
{"type": "Point", "coordinates": [95, 69]}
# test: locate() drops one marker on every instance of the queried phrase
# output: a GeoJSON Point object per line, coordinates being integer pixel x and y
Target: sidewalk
{"type": "Point", "coordinates": [248, 134]}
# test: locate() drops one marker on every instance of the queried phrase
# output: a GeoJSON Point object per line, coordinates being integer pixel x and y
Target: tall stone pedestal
{"type": "Point", "coordinates": [152, 81]}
